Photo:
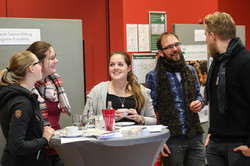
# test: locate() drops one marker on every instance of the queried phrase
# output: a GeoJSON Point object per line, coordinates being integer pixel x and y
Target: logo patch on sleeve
{"type": "Point", "coordinates": [18, 114]}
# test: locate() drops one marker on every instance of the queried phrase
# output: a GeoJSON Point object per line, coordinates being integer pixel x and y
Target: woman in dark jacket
{"type": "Point", "coordinates": [20, 117]}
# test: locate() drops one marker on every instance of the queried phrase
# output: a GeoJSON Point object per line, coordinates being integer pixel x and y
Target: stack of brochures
{"type": "Point", "coordinates": [134, 131]}
{"type": "Point", "coordinates": [156, 128]}
{"type": "Point", "coordinates": [101, 134]}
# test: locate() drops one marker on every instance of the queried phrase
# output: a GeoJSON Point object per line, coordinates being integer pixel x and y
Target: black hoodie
{"type": "Point", "coordinates": [22, 125]}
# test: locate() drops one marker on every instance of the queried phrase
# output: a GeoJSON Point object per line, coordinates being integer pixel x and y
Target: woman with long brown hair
{"type": "Point", "coordinates": [52, 97]}
{"type": "Point", "coordinates": [124, 91]}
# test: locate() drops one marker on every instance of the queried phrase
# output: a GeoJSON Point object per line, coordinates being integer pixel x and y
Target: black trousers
{"type": "Point", "coordinates": [55, 160]}
{"type": "Point", "coordinates": [222, 154]}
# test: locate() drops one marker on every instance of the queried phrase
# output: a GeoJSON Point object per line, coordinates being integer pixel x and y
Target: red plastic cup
{"type": "Point", "coordinates": [109, 116]}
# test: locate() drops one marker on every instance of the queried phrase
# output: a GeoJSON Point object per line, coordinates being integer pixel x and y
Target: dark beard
{"type": "Point", "coordinates": [171, 60]}
{"type": "Point", "coordinates": [173, 66]}
{"type": "Point", "coordinates": [212, 52]}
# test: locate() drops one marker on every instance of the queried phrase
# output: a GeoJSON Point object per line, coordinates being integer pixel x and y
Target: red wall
{"type": "Point", "coordinates": [185, 12]}
{"type": "Point", "coordinates": [116, 25]}
{"type": "Point", "coordinates": [93, 16]}
{"type": "Point", "coordinates": [181, 12]}
{"type": "Point", "coordinates": [2, 8]}
{"type": "Point", "coordinates": [103, 34]}
{"type": "Point", "coordinates": [178, 12]}
{"type": "Point", "coordinates": [240, 13]}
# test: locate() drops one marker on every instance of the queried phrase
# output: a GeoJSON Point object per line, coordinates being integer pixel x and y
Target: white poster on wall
{"type": "Point", "coordinates": [142, 64]}
{"type": "Point", "coordinates": [194, 52]}
{"type": "Point", "coordinates": [143, 31]}
{"type": "Point", "coordinates": [19, 36]}
{"type": "Point", "coordinates": [132, 40]}
{"type": "Point", "coordinates": [199, 35]}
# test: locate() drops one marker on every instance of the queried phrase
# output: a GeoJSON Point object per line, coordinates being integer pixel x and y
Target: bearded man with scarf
{"type": "Point", "coordinates": [228, 92]}
{"type": "Point", "coordinates": [175, 91]}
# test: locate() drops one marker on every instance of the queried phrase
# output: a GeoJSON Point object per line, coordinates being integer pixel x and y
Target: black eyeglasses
{"type": "Point", "coordinates": [36, 63]}
{"type": "Point", "coordinates": [171, 46]}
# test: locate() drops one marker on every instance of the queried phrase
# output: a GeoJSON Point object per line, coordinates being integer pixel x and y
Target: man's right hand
{"type": "Point", "coordinates": [165, 151]}
{"type": "Point", "coordinates": [207, 140]}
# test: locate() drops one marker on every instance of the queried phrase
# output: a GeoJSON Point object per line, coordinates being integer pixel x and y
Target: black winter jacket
{"type": "Point", "coordinates": [22, 126]}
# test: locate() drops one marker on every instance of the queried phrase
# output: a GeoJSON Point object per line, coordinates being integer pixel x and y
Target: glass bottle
{"type": "Point", "coordinates": [111, 108]}
{"type": "Point", "coordinates": [109, 105]}
{"type": "Point", "coordinates": [91, 116]}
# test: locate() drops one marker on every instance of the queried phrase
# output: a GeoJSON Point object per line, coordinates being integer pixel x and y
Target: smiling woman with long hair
{"type": "Point", "coordinates": [124, 91]}
{"type": "Point", "coordinates": [52, 97]}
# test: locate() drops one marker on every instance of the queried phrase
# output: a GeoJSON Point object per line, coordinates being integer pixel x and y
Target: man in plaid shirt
{"type": "Point", "coordinates": [175, 91]}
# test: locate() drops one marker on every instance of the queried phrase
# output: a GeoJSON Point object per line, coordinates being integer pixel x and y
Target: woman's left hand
{"type": "Point", "coordinates": [133, 115]}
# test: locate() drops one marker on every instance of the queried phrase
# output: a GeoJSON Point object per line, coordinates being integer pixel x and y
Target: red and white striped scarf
{"type": "Point", "coordinates": [53, 91]}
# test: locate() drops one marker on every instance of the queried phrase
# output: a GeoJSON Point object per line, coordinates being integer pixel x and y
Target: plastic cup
{"type": "Point", "coordinates": [109, 118]}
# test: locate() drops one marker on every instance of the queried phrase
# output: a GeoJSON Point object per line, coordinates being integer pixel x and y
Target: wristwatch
{"type": "Point", "coordinates": [142, 121]}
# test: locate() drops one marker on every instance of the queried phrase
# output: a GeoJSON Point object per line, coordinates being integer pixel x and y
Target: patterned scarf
{"type": "Point", "coordinates": [53, 91]}
{"type": "Point", "coordinates": [233, 48]}
{"type": "Point", "coordinates": [168, 114]}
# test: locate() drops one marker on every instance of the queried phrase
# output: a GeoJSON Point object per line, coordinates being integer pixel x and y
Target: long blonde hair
{"type": "Point", "coordinates": [133, 86]}
{"type": "Point", "coordinates": [18, 65]}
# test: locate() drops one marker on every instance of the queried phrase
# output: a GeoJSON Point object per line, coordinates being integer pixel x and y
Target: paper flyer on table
{"type": "Point", "coordinates": [76, 139]}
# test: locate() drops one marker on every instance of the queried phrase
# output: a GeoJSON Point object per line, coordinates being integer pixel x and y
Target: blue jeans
{"type": "Point", "coordinates": [222, 154]}
{"type": "Point", "coordinates": [185, 152]}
